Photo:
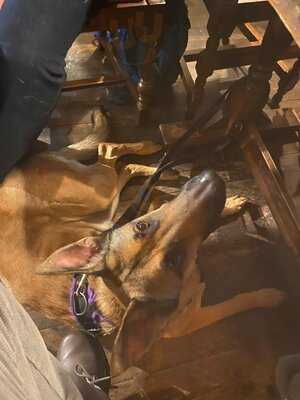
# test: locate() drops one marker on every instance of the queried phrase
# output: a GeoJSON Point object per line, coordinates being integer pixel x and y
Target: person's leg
{"type": "Point", "coordinates": [287, 376]}
{"type": "Point", "coordinates": [294, 388]}
{"type": "Point", "coordinates": [172, 46]}
{"type": "Point", "coordinates": [27, 369]}
{"type": "Point", "coordinates": [35, 36]}
{"type": "Point", "coordinates": [171, 50]}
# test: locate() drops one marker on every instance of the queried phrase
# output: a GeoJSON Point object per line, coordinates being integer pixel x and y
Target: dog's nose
{"type": "Point", "coordinates": [209, 187]}
{"type": "Point", "coordinates": [207, 177]}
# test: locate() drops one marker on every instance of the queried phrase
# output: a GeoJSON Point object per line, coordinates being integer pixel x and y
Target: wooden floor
{"type": "Point", "coordinates": [233, 359]}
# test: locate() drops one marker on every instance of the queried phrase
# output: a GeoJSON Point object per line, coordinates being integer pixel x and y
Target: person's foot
{"type": "Point", "coordinates": [83, 357]}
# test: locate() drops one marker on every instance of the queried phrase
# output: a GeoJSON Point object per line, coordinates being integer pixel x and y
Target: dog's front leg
{"type": "Point", "coordinates": [130, 171]}
{"type": "Point", "coordinates": [194, 318]}
{"type": "Point", "coordinates": [235, 207]}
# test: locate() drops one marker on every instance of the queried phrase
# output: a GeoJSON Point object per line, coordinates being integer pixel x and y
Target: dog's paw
{"type": "Point", "coordinates": [234, 205]}
{"type": "Point", "coordinates": [268, 298]}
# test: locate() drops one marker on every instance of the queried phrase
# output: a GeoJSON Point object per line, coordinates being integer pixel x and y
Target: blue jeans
{"type": "Point", "coordinates": [172, 46]}
{"type": "Point", "coordinates": [35, 36]}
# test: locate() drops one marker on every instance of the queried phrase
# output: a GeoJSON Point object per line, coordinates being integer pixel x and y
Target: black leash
{"type": "Point", "coordinates": [167, 161]}
{"type": "Point", "coordinates": [82, 302]}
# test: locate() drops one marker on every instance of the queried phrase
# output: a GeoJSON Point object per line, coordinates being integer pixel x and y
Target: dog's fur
{"type": "Point", "coordinates": [51, 202]}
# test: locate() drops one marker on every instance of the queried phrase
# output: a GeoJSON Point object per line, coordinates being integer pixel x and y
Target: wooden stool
{"type": "Point", "coordinates": [144, 20]}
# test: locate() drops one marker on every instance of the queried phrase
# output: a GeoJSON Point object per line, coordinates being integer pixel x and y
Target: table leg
{"type": "Point", "coordinates": [246, 99]}
{"type": "Point", "coordinates": [272, 187]}
{"type": "Point", "coordinates": [286, 83]}
{"type": "Point", "coordinates": [220, 25]}
{"type": "Point", "coordinates": [146, 92]}
{"type": "Point", "coordinates": [248, 96]}
{"type": "Point", "coordinates": [146, 87]}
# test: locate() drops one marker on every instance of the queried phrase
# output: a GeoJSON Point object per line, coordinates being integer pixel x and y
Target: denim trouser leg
{"type": "Point", "coordinates": [172, 46]}
{"type": "Point", "coordinates": [35, 36]}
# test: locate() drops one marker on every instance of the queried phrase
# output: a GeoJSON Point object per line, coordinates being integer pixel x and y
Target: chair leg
{"type": "Point", "coordinates": [220, 25]}
{"type": "Point", "coordinates": [146, 92]}
{"type": "Point", "coordinates": [286, 83]}
{"type": "Point", "coordinates": [146, 87]}
{"type": "Point", "coordinates": [248, 96]}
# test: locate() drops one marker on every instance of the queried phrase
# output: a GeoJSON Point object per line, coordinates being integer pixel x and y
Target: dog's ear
{"type": "Point", "coordinates": [84, 256]}
{"type": "Point", "coordinates": [140, 328]}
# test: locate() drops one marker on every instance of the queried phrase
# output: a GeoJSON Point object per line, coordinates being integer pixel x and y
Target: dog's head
{"type": "Point", "coordinates": [149, 257]}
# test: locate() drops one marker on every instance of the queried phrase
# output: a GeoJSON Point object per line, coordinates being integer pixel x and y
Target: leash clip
{"type": "Point", "coordinates": [80, 284]}
{"type": "Point", "coordinates": [81, 292]}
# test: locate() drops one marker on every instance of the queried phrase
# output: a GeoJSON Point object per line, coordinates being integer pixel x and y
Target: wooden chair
{"type": "Point", "coordinates": [248, 96]}
{"type": "Point", "coordinates": [224, 17]}
{"type": "Point", "coordinates": [144, 20]}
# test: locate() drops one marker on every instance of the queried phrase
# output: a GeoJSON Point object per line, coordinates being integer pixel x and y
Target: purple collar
{"type": "Point", "coordinates": [83, 305]}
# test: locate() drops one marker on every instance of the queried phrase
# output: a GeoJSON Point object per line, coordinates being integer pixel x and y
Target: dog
{"type": "Point", "coordinates": [57, 217]}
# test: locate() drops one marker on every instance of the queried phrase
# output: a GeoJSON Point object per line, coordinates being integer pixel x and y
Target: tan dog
{"type": "Point", "coordinates": [154, 289]}
{"type": "Point", "coordinates": [52, 200]}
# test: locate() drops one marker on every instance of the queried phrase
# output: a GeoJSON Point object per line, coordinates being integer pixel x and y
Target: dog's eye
{"type": "Point", "coordinates": [141, 226]}
{"type": "Point", "coordinates": [140, 229]}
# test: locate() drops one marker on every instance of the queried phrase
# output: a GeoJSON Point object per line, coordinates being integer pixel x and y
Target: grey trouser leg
{"type": "Point", "coordinates": [27, 370]}
{"type": "Point", "coordinates": [287, 377]}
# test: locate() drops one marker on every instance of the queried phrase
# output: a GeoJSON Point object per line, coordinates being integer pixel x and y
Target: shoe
{"type": "Point", "coordinates": [83, 357]}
